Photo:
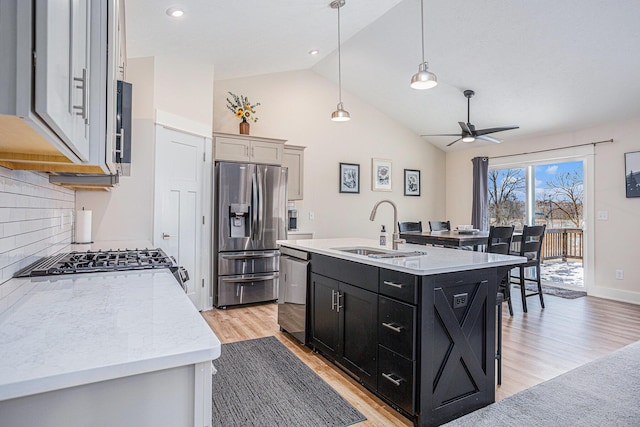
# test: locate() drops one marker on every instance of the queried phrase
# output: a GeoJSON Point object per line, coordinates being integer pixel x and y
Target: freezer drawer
{"type": "Point", "coordinates": [247, 289]}
{"type": "Point", "coordinates": [248, 262]}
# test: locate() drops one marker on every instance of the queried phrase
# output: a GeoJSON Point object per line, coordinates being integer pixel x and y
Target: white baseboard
{"type": "Point", "coordinates": [614, 294]}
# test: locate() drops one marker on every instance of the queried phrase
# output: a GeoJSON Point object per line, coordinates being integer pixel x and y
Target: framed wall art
{"type": "Point", "coordinates": [632, 173]}
{"type": "Point", "coordinates": [411, 182]}
{"type": "Point", "coordinates": [349, 178]}
{"type": "Point", "coordinates": [380, 175]}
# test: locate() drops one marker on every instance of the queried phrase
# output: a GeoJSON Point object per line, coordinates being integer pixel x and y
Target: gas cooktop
{"type": "Point", "coordinates": [99, 261]}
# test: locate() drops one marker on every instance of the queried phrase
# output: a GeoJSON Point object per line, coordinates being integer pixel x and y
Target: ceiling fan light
{"type": "Point", "coordinates": [340, 115]}
{"type": "Point", "coordinates": [423, 79]}
{"type": "Point", "coordinates": [468, 138]}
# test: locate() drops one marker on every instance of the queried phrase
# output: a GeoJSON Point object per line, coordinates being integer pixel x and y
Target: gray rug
{"type": "Point", "coordinates": [261, 383]}
{"type": "Point", "coordinates": [601, 393]}
{"type": "Point", "coordinates": [551, 290]}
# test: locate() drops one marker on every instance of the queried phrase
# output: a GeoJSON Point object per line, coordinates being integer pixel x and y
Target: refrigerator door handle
{"type": "Point", "coordinates": [260, 206]}
{"type": "Point", "coordinates": [254, 205]}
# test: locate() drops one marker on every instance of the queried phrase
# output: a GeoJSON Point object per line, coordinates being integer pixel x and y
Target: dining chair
{"type": "Point", "coordinates": [439, 225]}
{"type": "Point", "coordinates": [499, 242]}
{"type": "Point", "coordinates": [410, 226]}
{"type": "Point", "coordinates": [530, 247]}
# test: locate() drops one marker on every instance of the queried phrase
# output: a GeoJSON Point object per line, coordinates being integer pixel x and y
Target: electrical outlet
{"type": "Point", "coordinates": [460, 300]}
{"type": "Point", "coordinates": [619, 274]}
{"type": "Point", "coordinates": [312, 216]}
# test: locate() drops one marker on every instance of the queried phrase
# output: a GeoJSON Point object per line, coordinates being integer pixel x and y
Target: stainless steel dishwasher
{"type": "Point", "coordinates": [292, 294]}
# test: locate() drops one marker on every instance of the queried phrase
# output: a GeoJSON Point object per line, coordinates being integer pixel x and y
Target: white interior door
{"type": "Point", "coordinates": [178, 214]}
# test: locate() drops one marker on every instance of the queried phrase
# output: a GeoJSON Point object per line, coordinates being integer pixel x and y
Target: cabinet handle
{"type": "Point", "coordinates": [338, 306]}
{"type": "Point", "coordinates": [121, 150]}
{"type": "Point", "coordinates": [333, 299]}
{"type": "Point", "coordinates": [83, 87]}
{"type": "Point", "coordinates": [395, 285]}
{"type": "Point", "coordinates": [391, 379]}
{"type": "Point", "coordinates": [397, 329]}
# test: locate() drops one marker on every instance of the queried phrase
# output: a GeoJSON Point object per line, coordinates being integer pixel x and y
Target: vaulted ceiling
{"type": "Point", "coordinates": [547, 66]}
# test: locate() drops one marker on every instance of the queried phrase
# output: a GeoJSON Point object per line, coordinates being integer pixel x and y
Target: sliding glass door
{"type": "Point", "coordinates": [544, 193]}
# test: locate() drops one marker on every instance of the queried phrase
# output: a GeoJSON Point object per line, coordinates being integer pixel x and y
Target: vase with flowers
{"type": "Point", "coordinates": [244, 110]}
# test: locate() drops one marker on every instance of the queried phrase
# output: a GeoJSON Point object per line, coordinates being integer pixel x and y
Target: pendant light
{"type": "Point", "coordinates": [340, 115]}
{"type": "Point", "coordinates": [423, 79]}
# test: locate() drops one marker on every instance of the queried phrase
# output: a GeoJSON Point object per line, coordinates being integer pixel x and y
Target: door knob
{"type": "Point", "coordinates": [166, 236]}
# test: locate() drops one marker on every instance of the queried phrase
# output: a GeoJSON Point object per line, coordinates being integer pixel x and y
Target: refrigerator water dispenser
{"type": "Point", "coordinates": [239, 220]}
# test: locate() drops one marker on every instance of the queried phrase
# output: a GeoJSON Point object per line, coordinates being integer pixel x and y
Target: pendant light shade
{"type": "Point", "coordinates": [340, 115]}
{"type": "Point", "coordinates": [423, 79]}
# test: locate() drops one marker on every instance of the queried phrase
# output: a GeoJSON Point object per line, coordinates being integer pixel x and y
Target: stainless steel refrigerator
{"type": "Point", "coordinates": [250, 216]}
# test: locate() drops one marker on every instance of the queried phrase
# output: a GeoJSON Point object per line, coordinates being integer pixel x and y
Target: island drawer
{"type": "Point", "coordinates": [360, 275]}
{"type": "Point", "coordinates": [399, 285]}
{"type": "Point", "coordinates": [397, 326]}
{"type": "Point", "coordinates": [395, 379]}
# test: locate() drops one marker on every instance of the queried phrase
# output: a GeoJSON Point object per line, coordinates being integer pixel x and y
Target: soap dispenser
{"type": "Point", "coordinates": [383, 236]}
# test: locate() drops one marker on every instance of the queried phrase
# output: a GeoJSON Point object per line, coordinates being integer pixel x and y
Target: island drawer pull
{"type": "Point", "coordinates": [395, 285]}
{"type": "Point", "coordinates": [393, 380]}
{"type": "Point", "coordinates": [397, 329]}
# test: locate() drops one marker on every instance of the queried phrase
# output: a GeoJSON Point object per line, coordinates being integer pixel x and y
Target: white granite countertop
{"type": "Point", "coordinates": [436, 261]}
{"type": "Point", "coordinates": [65, 331]}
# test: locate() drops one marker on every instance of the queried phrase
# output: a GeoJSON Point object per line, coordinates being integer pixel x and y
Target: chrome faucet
{"type": "Point", "coordinates": [396, 232]}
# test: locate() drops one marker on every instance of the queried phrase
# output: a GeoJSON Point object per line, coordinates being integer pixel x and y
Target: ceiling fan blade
{"type": "Point", "coordinates": [444, 134]}
{"type": "Point", "coordinates": [489, 138]}
{"type": "Point", "coordinates": [465, 128]}
{"type": "Point", "coordinates": [451, 143]}
{"type": "Point", "coordinates": [493, 130]}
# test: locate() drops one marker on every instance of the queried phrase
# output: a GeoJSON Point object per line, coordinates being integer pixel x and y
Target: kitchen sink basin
{"type": "Point", "coordinates": [379, 253]}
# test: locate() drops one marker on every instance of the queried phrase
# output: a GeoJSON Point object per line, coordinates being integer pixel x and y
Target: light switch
{"type": "Point", "coordinates": [312, 216]}
{"type": "Point", "coordinates": [603, 215]}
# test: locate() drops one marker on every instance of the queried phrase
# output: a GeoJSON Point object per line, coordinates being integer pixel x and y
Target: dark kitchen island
{"type": "Point", "coordinates": [416, 329]}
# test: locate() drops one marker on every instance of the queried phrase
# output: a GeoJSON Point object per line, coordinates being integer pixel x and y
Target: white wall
{"type": "Point", "coordinates": [615, 239]}
{"type": "Point", "coordinates": [297, 106]}
{"type": "Point", "coordinates": [36, 219]}
{"type": "Point", "coordinates": [179, 89]}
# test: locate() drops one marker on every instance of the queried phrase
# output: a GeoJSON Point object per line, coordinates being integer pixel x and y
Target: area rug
{"type": "Point", "coordinates": [551, 290]}
{"type": "Point", "coordinates": [262, 383]}
{"type": "Point", "coordinates": [601, 393]}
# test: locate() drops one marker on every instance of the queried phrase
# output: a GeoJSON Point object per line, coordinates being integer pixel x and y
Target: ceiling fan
{"type": "Point", "coordinates": [469, 131]}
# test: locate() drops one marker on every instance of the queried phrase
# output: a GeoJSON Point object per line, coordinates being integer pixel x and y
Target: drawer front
{"type": "Point", "coordinates": [396, 326]}
{"type": "Point", "coordinates": [353, 273]}
{"type": "Point", "coordinates": [248, 262]}
{"type": "Point", "coordinates": [396, 379]}
{"type": "Point", "coordinates": [398, 285]}
{"type": "Point", "coordinates": [246, 289]}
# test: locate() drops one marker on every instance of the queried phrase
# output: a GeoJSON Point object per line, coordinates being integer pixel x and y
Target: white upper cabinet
{"type": "Point", "coordinates": [245, 148]}
{"type": "Point", "coordinates": [293, 159]}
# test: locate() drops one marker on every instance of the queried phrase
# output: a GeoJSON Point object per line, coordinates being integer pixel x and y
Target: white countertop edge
{"type": "Point", "coordinates": [105, 373]}
{"type": "Point", "coordinates": [320, 246]}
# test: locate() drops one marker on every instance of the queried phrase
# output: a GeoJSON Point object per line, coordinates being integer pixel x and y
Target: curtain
{"type": "Point", "coordinates": [480, 206]}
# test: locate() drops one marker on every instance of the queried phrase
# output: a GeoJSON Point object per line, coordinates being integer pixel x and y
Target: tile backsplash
{"type": "Point", "coordinates": [36, 219]}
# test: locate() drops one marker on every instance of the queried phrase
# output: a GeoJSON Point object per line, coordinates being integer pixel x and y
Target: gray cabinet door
{"type": "Point", "coordinates": [61, 71]}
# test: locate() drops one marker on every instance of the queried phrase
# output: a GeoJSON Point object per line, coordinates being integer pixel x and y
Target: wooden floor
{"type": "Point", "coordinates": [537, 346]}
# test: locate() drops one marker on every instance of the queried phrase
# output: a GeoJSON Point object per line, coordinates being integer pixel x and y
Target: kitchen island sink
{"type": "Point", "coordinates": [378, 253]}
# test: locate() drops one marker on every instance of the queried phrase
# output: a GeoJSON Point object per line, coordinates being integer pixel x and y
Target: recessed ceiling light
{"type": "Point", "coordinates": [314, 52]}
{"type": "Point", "coordinates": [176, 12]}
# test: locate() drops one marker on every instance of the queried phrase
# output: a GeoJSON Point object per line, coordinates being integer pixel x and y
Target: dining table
{"type": "Point", "coordinates": [452, 238]}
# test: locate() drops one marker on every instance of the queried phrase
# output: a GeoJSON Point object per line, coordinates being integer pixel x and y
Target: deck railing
{"type": "Point", "coordinates": [562, 243]}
